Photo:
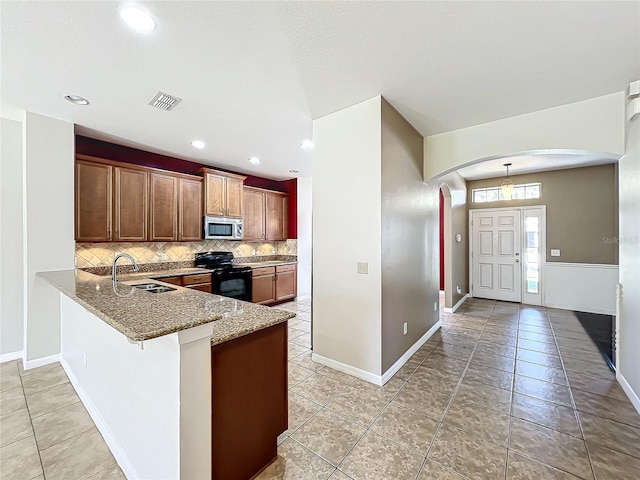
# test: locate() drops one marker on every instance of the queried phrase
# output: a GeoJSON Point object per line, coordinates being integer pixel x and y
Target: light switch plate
{"type": "Point", "coordinates": [363, 268]}
{"type": "Point", "coordinates": [555, 252]}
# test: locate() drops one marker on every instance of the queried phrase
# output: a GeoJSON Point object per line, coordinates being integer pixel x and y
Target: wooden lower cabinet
{"type": "Point", "coordinates": [249, 402]}
{"type": "Point", "coordinates": [263, 285]}
{"type": "Point", "coordinates": [198, 281]}
{"type": "Point", "coordinates": [286, 282]}
{"type": "Point", "coordinates": [273, 284]}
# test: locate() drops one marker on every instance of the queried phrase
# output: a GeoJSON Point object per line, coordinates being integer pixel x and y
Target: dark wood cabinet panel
{"type": "Point", "coordinates": [131, 195]}
{"type": "Point", "coordinates": [190, 210]}
{"type": "Point", "coordinates": [276, 216]}
{"type": "Point", "coordinates": [93, 202]}
{"type": "Point", "coordinates": [253, 214]}
{"type": "Point", "coordinates": [249, 402]}
{"type": "Point", "coordinates": [172, 280]}
{"type": "Point", "coordinates": [163, 200]}
{"type": "Point", "coordinates": [203, 287]}
{"type": "Point", "coordinates": [234, 197]}
{"type": "Point", "coordinates": [286, 282]}
{"type": "Point", "coordinates": [222, 193]}
{"type": "Point", "coordinates": [263, 288]}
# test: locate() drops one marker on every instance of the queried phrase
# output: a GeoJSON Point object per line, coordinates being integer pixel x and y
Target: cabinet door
{"type": "Point", "coordinates": [93, 207]}
{"type": "Point", "coordinates": [214, 203]}
{"type": "Point", "coordinates": [130, 205]}
{"type": "Point", "coordinates": [253, 215]}
{"type": "Point", "coordinates": [190, 210]}
{"type": "Point", "coordinates": [276, 216]}
{"type": "Point", "coordinates": [234, 197]}
{"type": "Point", "coordinates": [263, 288]}
{"type": "Point", "coordinates": [163, 199]}
{"type": "Point", "coordinates": [285, 285]}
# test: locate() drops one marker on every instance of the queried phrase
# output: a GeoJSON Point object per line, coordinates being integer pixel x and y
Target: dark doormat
{"type": "Point", "coordinates": [601, 330]}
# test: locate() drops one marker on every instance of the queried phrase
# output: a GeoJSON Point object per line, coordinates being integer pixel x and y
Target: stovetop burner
{"type": "Point", "coordinates": [217, 260]}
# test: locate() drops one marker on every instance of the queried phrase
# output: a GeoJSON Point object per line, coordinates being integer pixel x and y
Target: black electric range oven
{"type": "Point", "coordinates": [226, 279]}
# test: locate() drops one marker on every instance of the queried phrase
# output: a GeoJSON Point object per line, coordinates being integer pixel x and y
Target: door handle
{"type": "Point", "coordinates": [517, 260]}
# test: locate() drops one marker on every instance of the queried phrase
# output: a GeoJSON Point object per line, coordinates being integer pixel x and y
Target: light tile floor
{"type": "Point", "coordinates": [502, 391]}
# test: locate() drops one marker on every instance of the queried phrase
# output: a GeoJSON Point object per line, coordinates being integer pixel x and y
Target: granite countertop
{"type": "Point", "coordinates": [141, 315]}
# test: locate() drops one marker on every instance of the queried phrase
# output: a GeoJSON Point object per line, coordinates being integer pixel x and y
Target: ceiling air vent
{"type": "Point", "coordinates": [164, 101]}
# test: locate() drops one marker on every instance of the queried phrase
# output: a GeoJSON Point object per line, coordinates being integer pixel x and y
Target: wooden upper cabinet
{"type": "Point", "coordinates": [93, 202]}
{"type": "Point", "coordinates": [253, 214]}
{"type": "Point", "coordinates": [276, 216]}
{"type": "Point", "coordinates": [131, 205]}
{"type": "Point", "coordinates": [163, 204]}
{"type": "Point", "coordinates": [222, 193]}
{"type": "Point", "coordinates": [190, 210]}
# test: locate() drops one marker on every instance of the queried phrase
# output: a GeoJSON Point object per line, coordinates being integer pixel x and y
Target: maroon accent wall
{"type": "Point", "coordinates": [120, 153]}
{"type": "Point", "coordinates": [441, 241]}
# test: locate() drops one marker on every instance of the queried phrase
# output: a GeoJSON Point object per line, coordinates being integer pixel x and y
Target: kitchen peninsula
{"type": "Point", "coordinates": [165, 376]}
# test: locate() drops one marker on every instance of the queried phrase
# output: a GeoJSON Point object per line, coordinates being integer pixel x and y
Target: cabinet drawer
{"type": "Point", "coordinates": [203, 287]}
{"type": "Point", "coordinates": [172, 280]}
{"type": "Point", "coordinates": [285, 268]}
{"type": "Point", "coordinates": [263, 271]}
{"type": "Point", "coordinates": [194, 279]}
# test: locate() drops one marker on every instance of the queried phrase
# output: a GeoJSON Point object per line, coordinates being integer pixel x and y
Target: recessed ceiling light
{"type": "Point", "coordinates": [294, 171]}
{"type": "Point", "coordinates": [307, 145]}
{"type": "Point", "coordinates": [254, 160]}
{"type": "Point", "coordinates": [77, 99]}
{"type": "Point", "coordinates": [138, 19]}
{"type": "Point", "coordinates": [198, 144]}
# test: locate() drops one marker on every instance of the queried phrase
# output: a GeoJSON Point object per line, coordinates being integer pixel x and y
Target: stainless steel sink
{"type": "Point", "coordinates": [153, 287]}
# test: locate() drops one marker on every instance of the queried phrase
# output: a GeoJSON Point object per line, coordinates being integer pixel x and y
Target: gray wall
{"type": "Point", "coordinates": [409, 275]}
{"type": "Point", "coordinates": [456, 253]}
{"type": "Point", "coordinates": [582, 211]}
{"type": "Point", "coordinates": [629, 316]}
{"type": "Point", "coordinates": [11, 278]}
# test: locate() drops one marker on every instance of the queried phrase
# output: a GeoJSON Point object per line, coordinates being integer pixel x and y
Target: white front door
{"type": "Point", "coordinates": [495, 253]}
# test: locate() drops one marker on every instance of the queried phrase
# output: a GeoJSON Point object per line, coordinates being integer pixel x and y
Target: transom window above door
{"type": "Point", "coordinates": [494, 194]}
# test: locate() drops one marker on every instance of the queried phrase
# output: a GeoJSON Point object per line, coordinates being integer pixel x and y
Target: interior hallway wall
{"type": "Point", "coordinates": [49, 242]}
{"type": "Point", "coordinates": [629, 251]}
{"type": "Point", "coordinates": [304, 236]}
{"type": "Point", "coordinates": [409, 277]}
{"type": "Point", "coordinates": [346, 231]}
{"type": "Point", "coordinates": [11, 277]}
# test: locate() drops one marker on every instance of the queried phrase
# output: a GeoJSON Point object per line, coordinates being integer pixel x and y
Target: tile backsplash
{"type": "Point", "coordinates": [102, 254]}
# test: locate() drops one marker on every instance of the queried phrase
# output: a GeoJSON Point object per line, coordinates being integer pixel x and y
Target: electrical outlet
{"type": "Point", "coordinates": [253, 252]}
{"type": "Point", "coordinates": [164, 257]}
{"type": "Point", "coordinates": [405, 328]}
{"type": "Point", "coordinates": [363, 268]}
{"type": "Point", "coordinates": [435, 306]}
{"type": "Point", "coordinates": [555, 252]}
{"type": "Point", "coordinates": [458, 290]}
{"type": "Point", "coordinates": [84, 359]}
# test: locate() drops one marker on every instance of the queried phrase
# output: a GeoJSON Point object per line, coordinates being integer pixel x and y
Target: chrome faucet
{"type": "Point", "coordinates": [114, 272]}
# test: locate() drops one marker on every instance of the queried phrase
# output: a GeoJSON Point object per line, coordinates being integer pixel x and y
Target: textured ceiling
{"type": "Point", "coordinates": [253, 75]}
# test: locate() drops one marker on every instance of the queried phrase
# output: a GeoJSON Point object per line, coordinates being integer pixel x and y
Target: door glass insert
{"type": "Point", "coordinates": [532, 233]}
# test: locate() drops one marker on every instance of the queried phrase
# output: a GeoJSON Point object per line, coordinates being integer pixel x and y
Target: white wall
{"type": "Point", "coordinates": [133, 395]}
{"type": "Point", "coordinates": [304, 236]}
{"type": "Point", "coordinates": [11, 277]}
{"type": "Point", "coordinates": [595, 125]}
{"type": "Point", "coordinates": [629, 259]}
{"type": "Point", "coordinates": [346, 230]}
{"type": "Point", "coordinates": [48, 231]}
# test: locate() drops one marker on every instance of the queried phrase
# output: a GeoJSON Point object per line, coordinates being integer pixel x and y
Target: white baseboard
{"type": "Point", "coordinates": [7, 357]}
{"type": "Point", "coordinates": [117, 451]}
{"type": "Point", "coordinates": [343, 367]}
{"type": "Point", "coordinates": [372, 377]}
{"type": "Point", "coordinates": [633, 396]}
{"type": "Point", "coordinates": [39, 362]}
{"type": "Point", "coordinates": [386, 376]}
{"type": "Point", "coordinates": [303, 297]}
{"type": "Point", "coordinates": [457, 305]}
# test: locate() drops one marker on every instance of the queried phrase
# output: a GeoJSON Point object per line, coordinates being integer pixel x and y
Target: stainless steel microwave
{"type": "Point", "coordinates": [222, 228]}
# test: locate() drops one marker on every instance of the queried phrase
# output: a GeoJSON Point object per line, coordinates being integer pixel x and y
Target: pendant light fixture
{"type": "Point", "coordinates": [507, 185]}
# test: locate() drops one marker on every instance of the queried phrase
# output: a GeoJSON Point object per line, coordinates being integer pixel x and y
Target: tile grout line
{"type": "Point", "coordinates": [35, 439]}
